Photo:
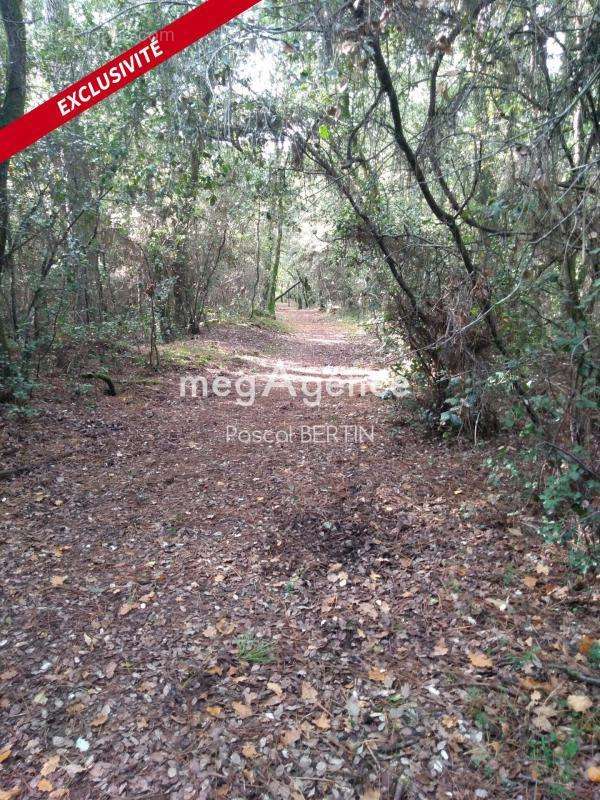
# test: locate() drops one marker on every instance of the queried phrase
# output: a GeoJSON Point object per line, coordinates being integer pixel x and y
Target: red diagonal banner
{"type": "Point", "coordinates": [118, 73]}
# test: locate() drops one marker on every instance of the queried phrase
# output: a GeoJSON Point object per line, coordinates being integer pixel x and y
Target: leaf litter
{"type": "Point", "coordinates": [280, 622]}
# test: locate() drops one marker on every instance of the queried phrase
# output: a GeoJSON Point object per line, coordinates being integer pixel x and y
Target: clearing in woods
{"type": "Point", "coordinates": [190, 617]}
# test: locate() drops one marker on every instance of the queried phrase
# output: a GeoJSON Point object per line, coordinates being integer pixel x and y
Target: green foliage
{"type": "Point", "coordinates": [254, 650]}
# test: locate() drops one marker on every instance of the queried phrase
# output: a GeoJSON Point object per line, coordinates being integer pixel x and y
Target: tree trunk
{"type": "Point", "coordinates": [274, 276]}
{"type": "Point", "coordinates": [13, 107]}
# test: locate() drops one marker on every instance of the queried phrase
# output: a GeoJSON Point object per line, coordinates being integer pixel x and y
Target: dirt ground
{"type": "Point", "coordinates": [348, 612]}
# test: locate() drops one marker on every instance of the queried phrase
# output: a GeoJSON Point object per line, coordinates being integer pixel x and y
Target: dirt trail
{"type": "Point", "coordinates": [190, 617]}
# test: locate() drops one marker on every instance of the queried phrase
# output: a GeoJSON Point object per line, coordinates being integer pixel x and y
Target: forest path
{"type": "Point", "coordinates": [187, 616]}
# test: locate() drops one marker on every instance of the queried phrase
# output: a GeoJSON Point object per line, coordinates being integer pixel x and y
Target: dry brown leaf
{"type": "Point", "coordinates": [210, 632]}
{"type": "Point", "coordinates": [110, 669]}
{"type": "Point", "coordinates": [586, 644]}
{"type": "Point", "coordinates": [225, 627]}
{"type": "Point", "coordinates": [328, 603]}
{"type": "Point", "coordinates": [50, 766]}
{"type": "Point", "coordinates": [530, 581]}
{"type": "Point", "coordinates": [59, 794]}
{"type": "Point", "coordinates": [322, 722]}
{"type": "Point", "coordinates": [274, 700]}
{"type": "Point", "coordinates": [214, 711]}
{"type": "Point", "coordinates": [542, 569]}
{"type": "Point", "coordinates": [532, 683]}
{"type": "Point", "coordinates": [369, 610]}
{"type": "Point", "coordinates": [126, 608]}
{"type": "Point", "coordinates": [480, 660]}
{"type": "Point", "coordinates": [9, 794]}
{"type": "Point", "coordinates": [291, 736]}
{"type": "Point", "coordinates": [371, 794]}
{"type": "Point", "coordinates": [45, 786]}
{"type": "Point", "coordinates": [542, 717]}
{"type": "Point", "coordinates": [579, 703]}
{"type": "Point", "coordinates": [99, 721]}
{"type": "Point", "coordinates": [243, 711]}
{"type": "Point", "coordinates": [593, 774]}
{"type": "Point", "coordinates": [249, 751]}
{"type": "Point", "coordinates": [381, 676]}
{"type": "Point", "coordinates": [441, 649]}
{"type": "Point", "coordinates": [275, 687]}
{"type": "Point", "coordinates": [58, 580]}
{"type": "Point", "coordinates": [309, 693]}
{"type": "Point", "coordinates": [8, 675]}
{"type": "Point", "coordinates": [4, 754]}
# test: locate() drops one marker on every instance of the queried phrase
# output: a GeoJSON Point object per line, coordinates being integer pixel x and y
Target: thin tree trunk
{"type": "Point", "coordinates": [274, 276]}
{"type": "Point", "coordinates": [13, 107]}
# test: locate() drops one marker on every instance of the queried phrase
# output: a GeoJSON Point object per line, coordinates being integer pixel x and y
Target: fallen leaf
{"type": "Point", "coordinates": [328, 603]}
{"type": "Point", "coordinates": [542, 569]}
{"type": "Point", "coordinates": [531, 683]}
{"type": "Point", "coordinates": [8, 675]}
{"type": "Point", "coordinates": [501, 605]}
{"type": "Point", "coordinates": [530, 581]}
{"type": "Point", "coordinates": [4, 754]}
{"type": "Point", "coordinates": [585, 645]}
{"type": "Point", "coordinates": [45, 786]}
{"type": "Point", "coordinates": [214, 711]}
{"type": "Point", "coordinates": [126, 608]}
{"type": "Point", "coordinates": [274, 700]}
{"type": "Point", "coordinates": [322, 722]}
{"type": "Point", "coordinates": [243, 711]}
{"type": "Point", "coordinates": [579, 703]}
{"type": "Point", "coordinates": [542, 717]}
{"type": "Point", "coordinates": [225, 627]}
{"type": "Point", "coordinates": [40, 699]}
{"type": "Point", "coordinates": [275, 687]}
{"type": "Point", "coordinates": [480, 660]}
{"type": "Point", "coordinates": [99, 721]}
{"type": "Point", "coordinates": [441, 649]}
{"type": "Point", "coordinates": [309, 693]}
{"type": "Point", "coordinates": [110, 669]}
{"type": "Point", "coordinates": [9, 794]}
{"type": "Point", "coordinates": [74, 769]}
{"type": "Point", "coordinates": [58, 794]}
{"type": "Point", "coordinates": [371, 794]}
{"type": "Point", "coordinates": [291, 736]}
{"type": "Point", "coordinates": [381, 676]}
{"type": "Point", "coordinates": [50, 766]}
{"type": "Point", "coordinates": [82, 745]}
{"type": "Point", "coordinates": [210, 632]}
{"type": "Point", "coordinates": [593, 774]}
{"type": "Point", "coordinates": [58, 580]}
{"type": "Point", "coordinates": [249, 751]}
{"type": "Point", "coordinates": [369, 610]}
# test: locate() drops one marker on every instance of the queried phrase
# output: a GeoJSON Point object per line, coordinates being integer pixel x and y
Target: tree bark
{"type": "Point", "coordinates": [13, 107]}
